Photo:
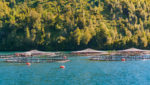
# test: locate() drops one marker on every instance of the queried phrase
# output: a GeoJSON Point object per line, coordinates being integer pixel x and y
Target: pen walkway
{"type": "Point", "coordinates": [119, 58]}
{"type": "Point", "coordinates": [36, 59]}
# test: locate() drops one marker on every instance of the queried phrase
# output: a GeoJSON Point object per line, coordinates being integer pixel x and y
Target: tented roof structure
{"type": "Point", "coordinates": [132, 50]}
{"type": "Point", "coordinates": [88, 50]}
{"type": "Point", "coordinates": [36, 52]}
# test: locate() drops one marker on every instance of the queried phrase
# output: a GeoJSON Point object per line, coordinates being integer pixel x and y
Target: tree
{"type": "Point", "coordinates": [77, 36]}
{"type": "Point", "coordinates": [87, 36]}
{"type": "Point", "coordinates": [27, 33]}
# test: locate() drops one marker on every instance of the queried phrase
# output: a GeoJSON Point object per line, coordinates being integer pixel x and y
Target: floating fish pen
{"type": "Point", "coordinates": [34, 56]}
{"type": "Point", "coordinates": [120, 58]}
{"type": "Point", "coordinates": [45, 59]}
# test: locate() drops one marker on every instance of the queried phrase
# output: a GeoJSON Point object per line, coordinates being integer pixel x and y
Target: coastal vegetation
{"type": "Point", "coordinates": [74, 24]}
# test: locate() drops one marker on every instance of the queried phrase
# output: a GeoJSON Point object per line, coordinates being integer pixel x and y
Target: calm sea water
{"type": "Point", "coordinates": [79, 71]}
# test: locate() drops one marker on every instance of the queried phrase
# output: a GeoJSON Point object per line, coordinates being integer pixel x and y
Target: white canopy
{"type": "Point", "coordinates": [88, 50]}
{"type": "Point", "coordinates": [132, 50]}
{"type": "Point", "coordinates": [36, 52]}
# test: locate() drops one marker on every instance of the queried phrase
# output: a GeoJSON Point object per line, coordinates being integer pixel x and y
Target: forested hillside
{"type": "Point", "coordinates": [74, 24]}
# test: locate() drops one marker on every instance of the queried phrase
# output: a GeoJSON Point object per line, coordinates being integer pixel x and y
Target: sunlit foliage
{"type": "Point", "coordinates": [74, 24]}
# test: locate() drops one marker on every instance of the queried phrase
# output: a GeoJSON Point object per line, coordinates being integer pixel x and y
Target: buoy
{"type": "Point", "coordinates": [28, 63]}
{"type": "Point", "coordinates": [123, 59]}
{"type": "Point", "coordinates": [17, 54]}
{"type": "Point", "coordinates": [62, 66]}
{"type": "Point", "coordinates": [78, 53]}
{"type": "Point", "coordinates": [65, 57]}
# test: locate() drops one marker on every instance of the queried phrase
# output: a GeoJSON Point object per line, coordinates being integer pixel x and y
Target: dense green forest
{"type": "Point", "coordinates": [74, 24]}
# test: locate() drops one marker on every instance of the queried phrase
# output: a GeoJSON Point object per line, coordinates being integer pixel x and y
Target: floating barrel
{"type": "Point", "coordinates": [65, 57]}
{"type": "Point", "coordinates": [28, 63]}
{"type": "Point", "coordinates": [62, 66]}
{"type": "Point", "coordinates": [17, 54]}
{"type": "Point", "coordinates": [123, 59]}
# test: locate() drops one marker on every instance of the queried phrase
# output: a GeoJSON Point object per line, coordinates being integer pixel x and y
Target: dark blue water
{"type": "Point", "coordinates": [79, 71]}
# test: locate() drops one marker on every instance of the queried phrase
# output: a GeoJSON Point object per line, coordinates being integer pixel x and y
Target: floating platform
{"type": "Point", "coordinates": [119, 58]}
{"type": "Point", "coordinates": [6, 56]}
{"type": "Point", "coordinates": [35, 59]}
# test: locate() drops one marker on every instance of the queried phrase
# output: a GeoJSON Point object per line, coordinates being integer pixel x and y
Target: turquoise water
{"type": "Point", "coordinates": [79, 71]}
